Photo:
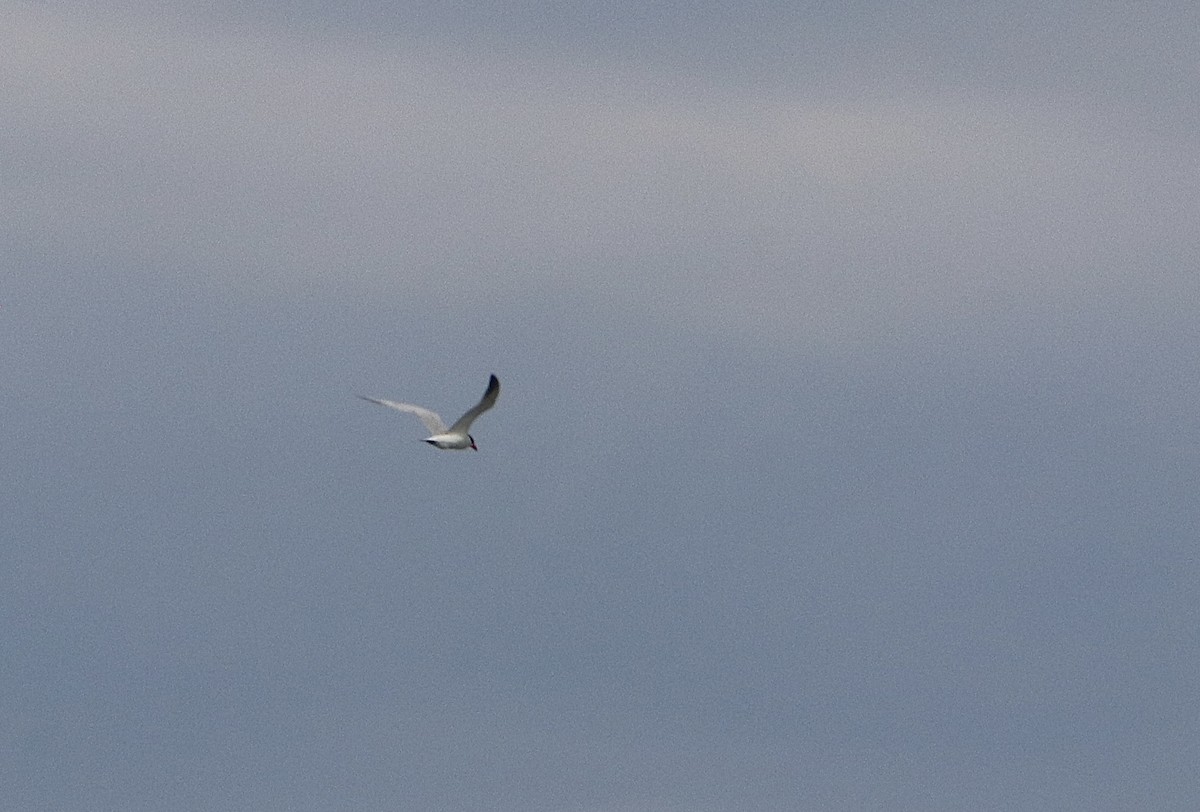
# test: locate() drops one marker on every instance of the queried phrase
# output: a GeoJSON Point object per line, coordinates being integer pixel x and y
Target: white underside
{"type": "Point", "coordinates": [450, 442]}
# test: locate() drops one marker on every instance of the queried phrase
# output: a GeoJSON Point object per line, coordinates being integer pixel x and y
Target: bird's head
{"type": "Point", "coordinates": [472, 439]}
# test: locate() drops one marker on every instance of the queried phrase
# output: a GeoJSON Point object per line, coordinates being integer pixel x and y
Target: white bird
{"type": "Point", "coordinates": [456, 437]}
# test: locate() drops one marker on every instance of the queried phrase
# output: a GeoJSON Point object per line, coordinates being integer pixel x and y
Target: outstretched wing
{"type": "Point", "coordinates": [463, 424]}
{"type": "Point", "coordinates": [432, 420]}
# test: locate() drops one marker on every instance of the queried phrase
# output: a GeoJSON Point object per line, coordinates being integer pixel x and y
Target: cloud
{"type": "Point", "coordinates": [276, 157]}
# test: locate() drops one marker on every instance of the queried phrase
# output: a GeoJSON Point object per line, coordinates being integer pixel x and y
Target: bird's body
{"type": "Point", "coordinates": [457, 436]}
{"type": "Point", "coordinates": [451, 442]}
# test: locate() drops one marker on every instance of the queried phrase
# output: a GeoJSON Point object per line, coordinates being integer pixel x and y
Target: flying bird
{"type": "Point", "coordinates": [456, 437]}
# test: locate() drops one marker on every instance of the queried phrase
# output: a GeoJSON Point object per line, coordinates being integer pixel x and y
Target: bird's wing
{"type": "Point", "coordinates": [432, 420]}
{"type": "Point", "coordinates": [486, 402]}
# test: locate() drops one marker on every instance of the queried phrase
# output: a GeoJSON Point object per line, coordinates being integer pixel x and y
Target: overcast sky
{"type": "Point", "coordinates": [846, 456]}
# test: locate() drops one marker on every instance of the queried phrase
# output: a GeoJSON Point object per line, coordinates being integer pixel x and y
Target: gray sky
{"type": "Point", "coordinates": [847, 449]}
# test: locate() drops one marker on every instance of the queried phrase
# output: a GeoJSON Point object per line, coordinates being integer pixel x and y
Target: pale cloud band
{"type": "Point", "coordinates": [406, 165]}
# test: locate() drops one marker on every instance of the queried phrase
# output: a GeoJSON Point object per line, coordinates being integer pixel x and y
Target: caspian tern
{"type": "Point", "coordinates": [456, 437]}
